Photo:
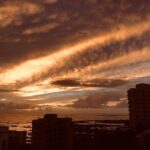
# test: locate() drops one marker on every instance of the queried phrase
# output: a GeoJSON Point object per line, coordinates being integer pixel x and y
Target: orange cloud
{"type": "Point", "coordinates": [37, 66]}
{"type": "Point", "coordinates": [11, 12]}
{"type": "Point", "coordinates": [41, 29]}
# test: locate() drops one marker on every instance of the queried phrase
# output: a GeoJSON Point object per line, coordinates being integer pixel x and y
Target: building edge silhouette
{"type": "Point", "coordinates": [139, 107]}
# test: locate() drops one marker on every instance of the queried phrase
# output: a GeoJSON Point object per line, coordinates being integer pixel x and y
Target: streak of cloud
{"type": "Point", "coordinates": [11, 13]}
{"type": "Point", "coordinates": [39, 65]}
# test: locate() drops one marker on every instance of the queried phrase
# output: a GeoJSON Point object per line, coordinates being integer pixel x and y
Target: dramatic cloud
{"type": "Point", "coordinates": [58, 52]}
{"type": "Point", "coordinates": [102, 100]}
{"type": "Point", "coordinates": [40, 29]}
{"type": "Point", "coordinates": [13, 12]}
{"type": "Point", "coordinates": [90, 83]}
{"type": "Point", "coordinates": [52, 61]}
{"type": "Point", "coordinates": [11, 106]}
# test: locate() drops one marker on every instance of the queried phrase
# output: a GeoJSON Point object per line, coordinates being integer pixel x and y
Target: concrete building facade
{"type": "Point", "coordinates": [139, 107]}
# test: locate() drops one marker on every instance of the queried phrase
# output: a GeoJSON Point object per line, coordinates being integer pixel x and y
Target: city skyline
{"type": "Point", "coordinates": [72, 57]}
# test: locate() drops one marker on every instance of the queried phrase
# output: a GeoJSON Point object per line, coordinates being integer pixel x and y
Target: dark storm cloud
{"type": "Point", "coordinates": [59, 22]}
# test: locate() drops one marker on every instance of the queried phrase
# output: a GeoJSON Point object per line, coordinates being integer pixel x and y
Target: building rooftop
{"type": "Point", "coordinates": [4, 128]}
{"type": "Point", "coordinates": [50, 116]}
{"type": "Point", "coordinates": [143, 86]}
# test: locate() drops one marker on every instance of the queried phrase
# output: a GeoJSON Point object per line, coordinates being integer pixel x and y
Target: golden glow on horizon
{"type": "Point", "coordinates": [59, 103]}
{"type": "Point", "coordinates": [26, 70]}
{"type": "Point", "coordinates": [113, 103]}
{"type": "Point", "coordinates": [37, 90]}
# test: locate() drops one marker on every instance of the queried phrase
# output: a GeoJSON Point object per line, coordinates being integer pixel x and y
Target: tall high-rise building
{"type": "Point", "coordinates": [4, 134]}
{"type": "Point", "coordinates": [139, 107]}
{"type": "Point", "coordinates": [52, 133]}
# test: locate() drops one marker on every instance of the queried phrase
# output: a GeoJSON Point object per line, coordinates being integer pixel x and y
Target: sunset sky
{"type": "Point", "coordinates": [72, 56]}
